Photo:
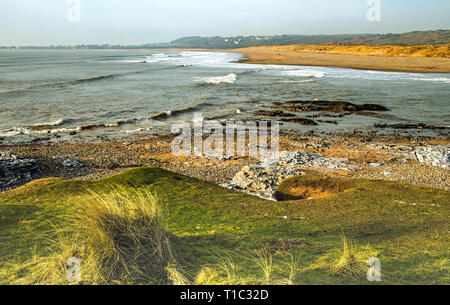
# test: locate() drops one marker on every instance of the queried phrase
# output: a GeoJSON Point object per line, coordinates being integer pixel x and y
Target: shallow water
{"type": "Point", "coordinates": [85, 94]}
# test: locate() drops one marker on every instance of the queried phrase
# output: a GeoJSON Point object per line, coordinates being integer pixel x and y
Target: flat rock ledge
{"type": "Point", "coordinates": [16, 170]}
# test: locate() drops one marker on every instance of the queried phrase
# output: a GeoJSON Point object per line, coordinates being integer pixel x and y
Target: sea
{"type": "Point", "coordinates": [97, 95]}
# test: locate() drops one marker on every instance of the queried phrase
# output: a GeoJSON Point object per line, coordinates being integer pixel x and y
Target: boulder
{"type": "Point", "coordinates": [261, 181]}
{"type": "Point", "coordinates": [72, 163]}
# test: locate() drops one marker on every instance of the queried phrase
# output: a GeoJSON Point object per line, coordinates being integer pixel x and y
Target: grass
{"type": "Point", "coordinates": [348, 263]}
{"type": "Point", "coordinates": [151, 226]}
{"type": "Point", "coordinates": [264, 260]}
{"type": "Point", "coordinates": [116, 233]}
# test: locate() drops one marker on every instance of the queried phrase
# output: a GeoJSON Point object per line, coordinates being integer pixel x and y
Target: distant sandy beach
{"type": "Point", "coordinates": [272, 55]}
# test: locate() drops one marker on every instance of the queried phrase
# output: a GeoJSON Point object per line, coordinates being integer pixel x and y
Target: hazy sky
{"type": "Point", "coordinates": [45, 22]}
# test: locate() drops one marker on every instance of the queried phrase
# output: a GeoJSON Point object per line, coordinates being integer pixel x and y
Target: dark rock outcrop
{"type": "Point", "coordinates": [277, 113]}
{"type": "Point", "coordinates": [329, 106]}
{"type": "Point", "coordinates": [301, 121]}
{"type": "Point", "coordinates": [411, 126]}
{"type": "Point", "coordinates": [16, 171]}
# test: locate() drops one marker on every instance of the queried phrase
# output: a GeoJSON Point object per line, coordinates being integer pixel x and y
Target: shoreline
{"type": "Point", "coordinates": [378, 157]}
{"type": "Point", "coordinates": [261, 55]}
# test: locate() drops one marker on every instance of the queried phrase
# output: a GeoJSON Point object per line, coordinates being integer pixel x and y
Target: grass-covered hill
{"type": "Point", "coordinates": [151, 226]}
{"type": "Point", "coordinates": [217, 42]}
{"type": "Point", "coordinates": [405, 39]}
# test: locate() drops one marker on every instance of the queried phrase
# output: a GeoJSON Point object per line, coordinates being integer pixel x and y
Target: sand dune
{"type": "Point", "coordinates": [387, 58]}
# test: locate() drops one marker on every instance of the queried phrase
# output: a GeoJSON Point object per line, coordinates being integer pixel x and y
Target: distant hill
{"type": "Point", "coordinates": [406, 39]}
{"type": "Point", "coordinates": [217, 42]}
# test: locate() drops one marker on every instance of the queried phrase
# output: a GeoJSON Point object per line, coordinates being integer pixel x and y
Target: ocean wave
{"type": "Point", "coordinates": [20, 131]}
{"type": "Point", "coordinates": [195, 58]}
{"type": "Point", "coordinates": [60, 84]}
{"type": "Point", "coordinates": [131, 131]}
{"type": "Point", "coordinates": [304, 73]}
{"type": "Point", "coordinates": [174, 112]}
{"type": "Point", "coordinates": [36, 131]}
{"type": "Point", "coordinates": [14, 131]}
{"type": "Point", "coordinates": [229, 78]}
{"type": "Point", "coordinates": [60, 130]}
{"type": "Point", "coordinates": [73, 82]}
{"type": "Point", "coordinates": [58, 122]}
{"type": "Point", "coordinates": [297, 81]}
{"type": "Point", "coordinates": [435, 79]}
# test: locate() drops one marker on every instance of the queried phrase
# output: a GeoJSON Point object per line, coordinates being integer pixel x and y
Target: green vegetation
{"type": "Point", "coordinates": [405, 39]}
{"type": "Point", "coordinates": [151, 226]}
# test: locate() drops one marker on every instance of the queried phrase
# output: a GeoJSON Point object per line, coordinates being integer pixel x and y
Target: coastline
{"type": "Point", "coordinates": [106, 158]}
{"type": "Point", "coordinates": [272, 56]}
{"type": "Point", "coordinates": [368, 156]}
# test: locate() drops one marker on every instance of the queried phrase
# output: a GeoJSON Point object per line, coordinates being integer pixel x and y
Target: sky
{"type": "Point", "coordinates": [46, 22]}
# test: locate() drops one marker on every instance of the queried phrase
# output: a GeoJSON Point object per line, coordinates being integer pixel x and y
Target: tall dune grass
{"type": "Point", "coordinates": [117, 235]}
{"type": "Point", "coordinates": [349, 264]}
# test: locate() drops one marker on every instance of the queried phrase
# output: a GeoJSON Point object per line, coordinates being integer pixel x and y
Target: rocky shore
{"type": "Point", "coordinates": [16, 170]}
{"type": "Point", "coordinates": [417, 161]}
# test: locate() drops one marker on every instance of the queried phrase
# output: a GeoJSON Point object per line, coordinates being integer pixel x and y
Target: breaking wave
{"type": "Point", "coordinates": [14, 131]}
{"type": "Point", "coordinates": [170, 113]}
{"type": "Point", "coordinates": [436, 79]}
{"type": "Point", "coordinates": [58, 122]}
{"type": "Point", "coordinates": [229, 78]}
{"type": "Point", "coordinates": [297, 81]}
{"type": "Point", "coordinates": [304, 73]}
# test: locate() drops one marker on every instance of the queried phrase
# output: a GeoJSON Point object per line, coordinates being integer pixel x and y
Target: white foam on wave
{"type": "Point", "coordinates": [19, 131]}
{"type": "Point", "coordinates": [229, 78]}
{"type": "Point", "coordinates": [114, 124]}
{"type": "Point", "coordinates": [194, 58]}
{"type": "Point", "coordinates": [131, 131]}
{"type": "Point", "coordinates": [14, 131]}
{"type": "Point", "coordinates": [297, 81]}
{"type": "Point", "coordinates": [57, 130]}
{"type": "Point", "coordinates": [58, 122]}
{"type": "Point", "coordinates": [384, 75]}
{"type": "Point", "coordinates": [444, 80]}
{"type": "Point", "coordinates": [304, 73]}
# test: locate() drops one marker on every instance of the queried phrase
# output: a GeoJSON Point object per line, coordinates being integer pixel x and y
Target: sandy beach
{"type": "Point", "coordinates": [281, 56]}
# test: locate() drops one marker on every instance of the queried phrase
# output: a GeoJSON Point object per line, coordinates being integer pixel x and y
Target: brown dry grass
{"type": "Point", "coordinates": [387, 50]}
{"type": "Point", "coordinates": [310, 187]}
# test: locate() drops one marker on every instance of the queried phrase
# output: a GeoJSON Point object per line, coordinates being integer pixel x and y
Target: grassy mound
{"type": "Point", "coordinates": [310, 187]}
{"type": "Point", "coordinates": [151, 226]}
